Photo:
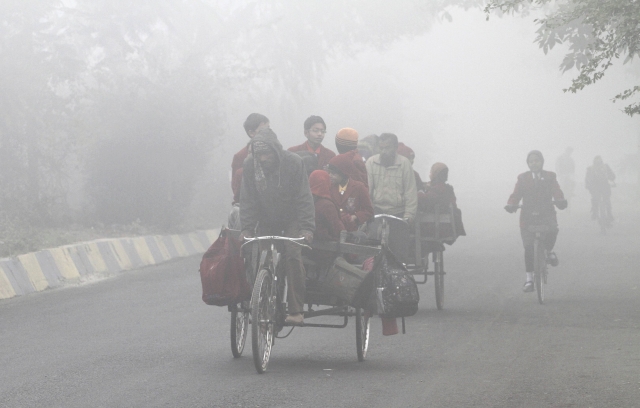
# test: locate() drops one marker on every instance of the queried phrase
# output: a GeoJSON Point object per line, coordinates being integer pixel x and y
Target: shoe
{"type": "Point", "coordinates": [528, 287]}
{"type": "Point", "coordinates": [552, 259]}
{"type": "Point", "coordinates": [295, 319]}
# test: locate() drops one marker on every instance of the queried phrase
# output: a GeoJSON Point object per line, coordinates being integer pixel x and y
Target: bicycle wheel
{"type": "Point", "coordinates": [362, 333]}
{"type": "Point", "coordinates": [602, 217]}
{"type": "Point", "coordinates": [239, 329]}
{"type": "Point", "coordinates": [262, 318]}
{"type": "Point", "coordinates": [539, 266]}
{"type": "Point", "coordinates": [438, 279]}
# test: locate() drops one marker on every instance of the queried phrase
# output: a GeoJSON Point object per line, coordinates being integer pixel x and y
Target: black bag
{"type": "Point", "coordinates": [396, 292]}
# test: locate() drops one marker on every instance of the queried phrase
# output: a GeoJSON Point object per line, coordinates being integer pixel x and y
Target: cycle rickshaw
{"type": "Point", "coordinates": [432, 229]}
{"type": "Point", "coordinates": [266, 310]}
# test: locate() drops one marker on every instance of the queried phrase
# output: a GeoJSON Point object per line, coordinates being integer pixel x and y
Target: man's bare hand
{"type": "Point", "coordinates": [307, 235]}
{"type": "Point", "coordinates": [245, 235]}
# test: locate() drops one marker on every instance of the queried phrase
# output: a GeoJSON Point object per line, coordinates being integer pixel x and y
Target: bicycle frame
{"type": "Point", "coordinates": [539, 256]}
{"type": "Point", "coordinates": [269, 260]}
{"type": "Point", "coordinates": [540, 270]}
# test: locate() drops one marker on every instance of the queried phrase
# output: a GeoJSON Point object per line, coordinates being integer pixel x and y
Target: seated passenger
{"type": "Point", "coordinates": [328, 224]}
{"type": "Point", "coordinates": [314, 131]}
{"type": "Point", "coordinates": [392, 183]}
{"type": "Point", "coordinates": [439, 194]}
{"type": "Point", "coordinates": [368, 146]}
{"type": "Point", "coordinates": [351, 196]}
{"type": "Point", "coordinates": [347, 144]}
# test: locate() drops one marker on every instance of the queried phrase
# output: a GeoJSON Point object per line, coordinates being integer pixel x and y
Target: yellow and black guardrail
{"type": "Point", "coordinates": [55, 267]}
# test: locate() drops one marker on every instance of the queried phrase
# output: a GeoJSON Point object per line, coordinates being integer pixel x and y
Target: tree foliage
{"type": "Point", "coordinates": [598, 32]}
{"type": "Point", "coordinates": [130, 96]}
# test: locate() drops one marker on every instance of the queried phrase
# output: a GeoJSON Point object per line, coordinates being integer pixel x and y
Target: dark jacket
{"type": "Point", "coordinates": [236, 172]}
{"type": "Point", "coordinates": [537, 198]}
{"type": "Point", "coordinates": [287, 198]}
{"type": "Point", "coordinates": [597, 179]}
{"type": "Point", "coordinates": [439, 195]}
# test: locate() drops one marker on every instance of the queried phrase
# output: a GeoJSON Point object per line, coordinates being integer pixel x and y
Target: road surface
{"type": "Point", "coordinates": [145, 339]}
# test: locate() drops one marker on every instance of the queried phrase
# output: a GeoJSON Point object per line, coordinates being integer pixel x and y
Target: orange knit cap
{"type": "Point", "coordinates": [347, 137]}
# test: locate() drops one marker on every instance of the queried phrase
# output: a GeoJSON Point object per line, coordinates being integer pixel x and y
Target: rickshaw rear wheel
{"type": "Point", "coordinates": [239, 329]}
{"type": "Point", "coordinates": [362, 333]}
{"type": "Point", "coordinates": [262, 320]}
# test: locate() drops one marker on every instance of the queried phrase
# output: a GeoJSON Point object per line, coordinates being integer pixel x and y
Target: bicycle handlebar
{"type": "Point", "coordinates": [393, 217]}
{"type": "Point", "coordinates": [520, 206]}
{"type": "Point", "coordinates": [277, 238]}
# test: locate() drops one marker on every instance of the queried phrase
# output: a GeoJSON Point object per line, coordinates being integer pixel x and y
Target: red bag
{"type": "Point", "coordinates": [222, 272]}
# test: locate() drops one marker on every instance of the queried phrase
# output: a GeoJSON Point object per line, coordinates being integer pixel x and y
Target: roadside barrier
{"type": "Point", "coordinates": [55, 267]}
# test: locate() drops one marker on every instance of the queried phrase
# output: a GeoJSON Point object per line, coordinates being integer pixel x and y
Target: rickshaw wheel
{"type": "Point", "coordinates": [262, 320]}
{"type": "Point", "coordinates": [362, 333]}
{"type": "Point", "coordinates": [239, 329]}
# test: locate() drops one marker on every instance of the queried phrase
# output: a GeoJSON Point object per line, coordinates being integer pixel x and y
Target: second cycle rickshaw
{"type": "Point", "coordinates": [431, 230]}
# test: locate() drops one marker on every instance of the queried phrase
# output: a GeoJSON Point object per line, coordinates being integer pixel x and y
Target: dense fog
{"type": "Point", "coordinates": [477, 95]}
{"type": "Point", "coordinates": [117, 113]}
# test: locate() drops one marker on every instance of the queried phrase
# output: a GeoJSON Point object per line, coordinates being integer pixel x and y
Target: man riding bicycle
{"type": "Point", "coordinates": [597, 182]}
{"type": "Point", "coordinates": [539, 191]}
{"type": "Point", "coordinates": [275, 199]}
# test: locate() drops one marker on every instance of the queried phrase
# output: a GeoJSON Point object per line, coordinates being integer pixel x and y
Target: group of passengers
{"type": "Point", "coordinates": [308, 189]}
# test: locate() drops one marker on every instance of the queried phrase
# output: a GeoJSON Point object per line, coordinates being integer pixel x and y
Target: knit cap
{"type": "Point", "coordinates": [347, 137]}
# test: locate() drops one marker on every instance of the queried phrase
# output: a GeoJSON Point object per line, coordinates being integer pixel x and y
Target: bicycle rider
{"type": "Point", "coordinates": [275, 199]}
{"type": "Point", "coordinates": [597, 182]}
{"type": "Point", "coordinates": [539, 190]}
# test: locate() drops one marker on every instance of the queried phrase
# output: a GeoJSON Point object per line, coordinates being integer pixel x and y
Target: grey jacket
{"type": "Point", "coordinates": [287, 198]}
{"type": "Point", "coordinates": [393, 188]}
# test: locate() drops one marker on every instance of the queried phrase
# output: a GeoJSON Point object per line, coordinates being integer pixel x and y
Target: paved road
{"type": "Point", "coordinates": [145, 339]}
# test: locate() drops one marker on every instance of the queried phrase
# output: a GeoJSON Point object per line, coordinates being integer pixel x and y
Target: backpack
{"type": "Point", "coordinates": [222, 272]}
{"type": "Point", "coordinates": [396, 290]}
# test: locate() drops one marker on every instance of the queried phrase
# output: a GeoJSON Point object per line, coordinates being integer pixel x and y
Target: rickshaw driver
{"type": "Point", "coordinates": [276, 199]}
{"type": "Point", "coordinates": [392, 183]}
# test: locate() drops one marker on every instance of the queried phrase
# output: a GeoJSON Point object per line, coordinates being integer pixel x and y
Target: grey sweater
{"type": "Point", "coordinates": [287, 198]}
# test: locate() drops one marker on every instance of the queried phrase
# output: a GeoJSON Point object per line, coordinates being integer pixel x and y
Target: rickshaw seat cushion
{"type": "Point", "coordinates": [399, 241]}
{"type": "Point", "coordinates": [344, 281]}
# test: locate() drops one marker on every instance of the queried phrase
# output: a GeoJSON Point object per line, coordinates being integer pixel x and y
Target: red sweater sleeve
{"type": "Point", "coordinates": [364, 208]}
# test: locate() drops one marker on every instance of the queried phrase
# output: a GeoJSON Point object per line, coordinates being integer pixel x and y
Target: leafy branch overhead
{"type": "Point", "coordinates": [597, 32]}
